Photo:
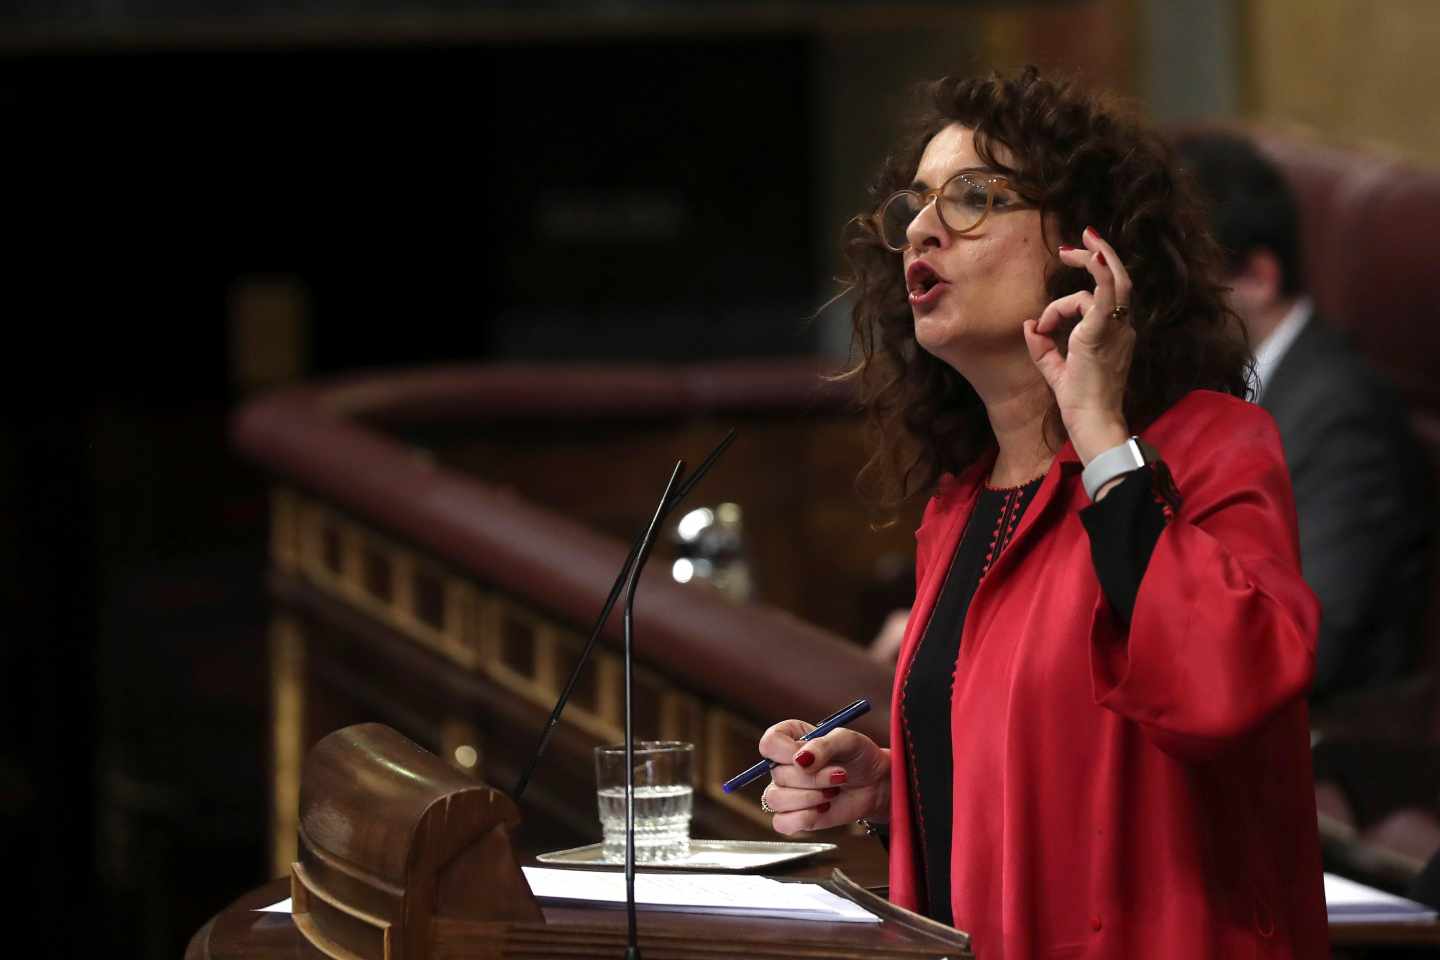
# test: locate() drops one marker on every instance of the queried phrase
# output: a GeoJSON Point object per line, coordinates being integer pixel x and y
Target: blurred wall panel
{"type": "Point", "coordinates": [268, 320]}
{"type": "Point", "coordinates": [648, 199]}
{"type": "Point", "coordinates": [1190, 60]}
{"type": "Point", "coordinates": [1353, 71]}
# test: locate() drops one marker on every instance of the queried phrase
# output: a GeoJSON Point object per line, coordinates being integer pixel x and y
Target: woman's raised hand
{"type": "Point", "coordinates": [824, 782]}
{"type": "Point", "coordinates": [1088, 380]}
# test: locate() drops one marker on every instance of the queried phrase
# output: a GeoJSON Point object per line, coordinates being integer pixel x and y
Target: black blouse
{"type": "Point", "coordinates": [1123, 529]}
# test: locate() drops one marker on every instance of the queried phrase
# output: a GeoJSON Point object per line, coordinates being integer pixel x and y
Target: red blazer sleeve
{"type": "Point", "coordinates": [1223, 633]}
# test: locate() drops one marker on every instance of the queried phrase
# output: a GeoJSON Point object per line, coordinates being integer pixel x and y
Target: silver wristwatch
{"type": "Point", "coordinates": [1109, 464]}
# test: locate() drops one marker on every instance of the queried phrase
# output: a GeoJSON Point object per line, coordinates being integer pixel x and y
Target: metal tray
{"type": "Point", "coordinates": [719, 856]}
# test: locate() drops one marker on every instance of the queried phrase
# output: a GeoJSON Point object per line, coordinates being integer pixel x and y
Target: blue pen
{"type": "Point", "coordinates": [837, 719]}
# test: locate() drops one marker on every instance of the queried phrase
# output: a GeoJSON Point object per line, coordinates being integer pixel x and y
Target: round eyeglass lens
{"type": "Point", "coordinates": [963, 203]}
{"type": "Point", "coordinates": [895, 218]}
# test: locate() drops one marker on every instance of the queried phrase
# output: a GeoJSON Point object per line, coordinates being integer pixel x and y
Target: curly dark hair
{"type": "Point", "coordinates": [1085, 162]}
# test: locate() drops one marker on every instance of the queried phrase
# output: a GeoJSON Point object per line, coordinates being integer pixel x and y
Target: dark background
{"type": "Point", "coordinates": [638, 198]}
{"type": "Point", "coordinates": [429, 181]}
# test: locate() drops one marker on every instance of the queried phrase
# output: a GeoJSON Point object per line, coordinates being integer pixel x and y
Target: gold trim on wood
{"type": "Point", "coordinates": [402, 587]}
{"type": "Point", "coordinates": [723, 728]}
{"type": "Point", "coordinates": [287, 738]}
{"type": "Point", "coordinates": [352, 561]}
{"type": "Point", "coordinates": [498, 619]}
{"type": "Point", "coordinates": [313, 524]}
{"type": "Point", "coordinates": [397, 606]}
{"type": "Point", "coordinates": [610, 694]}
{"type": "Point", "coordinates": [285, 550]}
{"type": "Point", "coordinates": [461, 611]}
{"type": "Point", "coordinates": [682, 717]}
{"type": "Point", "coordinates": [517, 648]}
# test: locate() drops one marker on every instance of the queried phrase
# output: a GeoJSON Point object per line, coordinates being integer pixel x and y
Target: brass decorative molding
{"type": "Point", "coordinates": [520, 649]}
{"type": "Point", "coordinates": [287, 737]}
{"type": "Point", "coordinates": [284, 530]}
{"type": "Point", "coordinates": [731, 743]}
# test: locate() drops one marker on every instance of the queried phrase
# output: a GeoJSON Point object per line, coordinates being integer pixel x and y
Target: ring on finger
{"type": "Point", "coordinates": [764, 803]}
{"type": "Point", "coordinates": [1121, 313]}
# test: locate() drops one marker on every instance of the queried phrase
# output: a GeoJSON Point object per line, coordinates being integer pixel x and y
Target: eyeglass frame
{"type": "Point", "coordinates": [930, 197]}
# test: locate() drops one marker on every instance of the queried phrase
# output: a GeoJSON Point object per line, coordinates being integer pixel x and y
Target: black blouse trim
{"type": "Point", "coordinates": [1123, 528]}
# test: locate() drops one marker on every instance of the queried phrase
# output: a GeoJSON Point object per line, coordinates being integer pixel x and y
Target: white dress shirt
{"type": "Point", "coordinates": [1270, 351]}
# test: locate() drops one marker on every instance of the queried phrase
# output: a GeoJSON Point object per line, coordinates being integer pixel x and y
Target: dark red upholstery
{"type": "Point", "coordinates": [1370, 232]}
{"type": "Point", "coordinates": [1370, 235]}
{"type": "Point", "coordinates": [1370, 246]}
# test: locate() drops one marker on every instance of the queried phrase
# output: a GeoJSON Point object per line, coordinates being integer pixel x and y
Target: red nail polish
{"type": "Point", "coordinates": [1066, 248]}
{"type": "Point", "coordinates": [838, 777]}
{"type": "Point", "coordinates": [823, 807]}
{"type": "Point", "coordinates": [1093, 232]}
{"type": "Point", "coordinates": [804, 758]}
{"type": "Point", "coordinates": [830, 792]}
{"type": "Point", "coordinates": [1100, 257]}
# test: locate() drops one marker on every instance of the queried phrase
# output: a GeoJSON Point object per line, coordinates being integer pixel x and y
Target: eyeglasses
{"type": "Point", "coordinates": [962, 203]}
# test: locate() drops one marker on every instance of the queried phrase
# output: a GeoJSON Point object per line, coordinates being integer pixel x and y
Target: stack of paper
{"type": "Point", "coordinates": [730, 894]}
{"type": "Point", "coordinates": [1349, 902]}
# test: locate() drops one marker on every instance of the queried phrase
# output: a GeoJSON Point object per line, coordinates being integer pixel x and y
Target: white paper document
{"type": "Point", "coordinates": [1349, 902]}
{"type": "Point", "coordinates": [728, 859]}
{"type": "Point", "coordinates": [720, 893]}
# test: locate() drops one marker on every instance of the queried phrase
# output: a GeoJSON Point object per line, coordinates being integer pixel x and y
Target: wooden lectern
{"type": "Point", "coordinates": [403, 858]}
{"type": "Point", "coordinates": [392, 842]}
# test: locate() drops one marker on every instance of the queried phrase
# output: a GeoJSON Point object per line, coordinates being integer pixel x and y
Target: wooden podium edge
{"type": "Point", "coordinates": [841, 884]}
{"type": "Point", "coordinates": [302, 888]}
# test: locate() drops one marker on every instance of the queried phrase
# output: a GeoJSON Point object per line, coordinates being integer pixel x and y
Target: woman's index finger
{"type": "Point", "coordinates": [837, 746]}
{"type": "Point", "coordinates": [782, 740]}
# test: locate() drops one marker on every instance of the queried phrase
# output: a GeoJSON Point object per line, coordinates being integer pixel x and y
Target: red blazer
{"type": "Point", "coordinates": [1142, 792]}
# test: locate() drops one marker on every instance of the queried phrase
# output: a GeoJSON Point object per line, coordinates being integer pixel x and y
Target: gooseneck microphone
{"type": "Point", "coordinates": [673, 500]}
{"type": "Point", "coordinates": [630, 572]}
{"type": "Point", "coordinates": [632, 949]}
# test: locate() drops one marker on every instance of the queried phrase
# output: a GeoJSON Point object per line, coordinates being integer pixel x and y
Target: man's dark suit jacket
{"type": "Point", "coordinates": [1363, 493]}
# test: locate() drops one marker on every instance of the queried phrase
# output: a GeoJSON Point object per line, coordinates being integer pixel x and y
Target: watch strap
{"type": "Point", "coordinates": [1109, 464]}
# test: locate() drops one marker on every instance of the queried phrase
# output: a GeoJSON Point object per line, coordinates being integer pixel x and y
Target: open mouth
{"type": "Point", "coordinates": [922, 283]}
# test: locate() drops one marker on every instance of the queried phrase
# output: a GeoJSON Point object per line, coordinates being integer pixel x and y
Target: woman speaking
{"type": "Point", "coordinates": [1099, 742]}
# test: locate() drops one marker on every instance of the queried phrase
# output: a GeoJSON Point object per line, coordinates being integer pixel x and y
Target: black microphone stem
{"type": "Point", "coordinates": [632, 949]}
{"type": "Point", "coordinates": [669, 504]}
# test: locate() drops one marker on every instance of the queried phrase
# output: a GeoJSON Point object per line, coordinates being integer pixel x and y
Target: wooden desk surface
{"type": "Point", "coordinates": [240, 933]}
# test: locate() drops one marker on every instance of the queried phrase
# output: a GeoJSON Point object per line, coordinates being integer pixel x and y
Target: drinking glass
{"type": "Point", "coordinates": [664, 797]}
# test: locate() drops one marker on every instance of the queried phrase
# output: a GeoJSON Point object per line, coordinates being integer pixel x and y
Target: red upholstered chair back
{"type": "Point", "coordinates": [1372, 256]}
{"type": "Point", "coordinates": [1371, 235]}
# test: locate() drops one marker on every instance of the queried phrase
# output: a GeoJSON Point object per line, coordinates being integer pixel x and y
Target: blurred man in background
{"type": "Point", "coordinates": [1362, 489]}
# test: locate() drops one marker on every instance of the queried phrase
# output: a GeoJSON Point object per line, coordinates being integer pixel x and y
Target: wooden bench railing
{"type": "Point", "coordinates": [414, 592]}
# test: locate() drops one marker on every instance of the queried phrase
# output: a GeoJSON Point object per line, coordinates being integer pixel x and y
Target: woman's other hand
{"type": "Point", "coordinates": [834, 779]}
{"type": "Point", "coordinates": [1088, 380]}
